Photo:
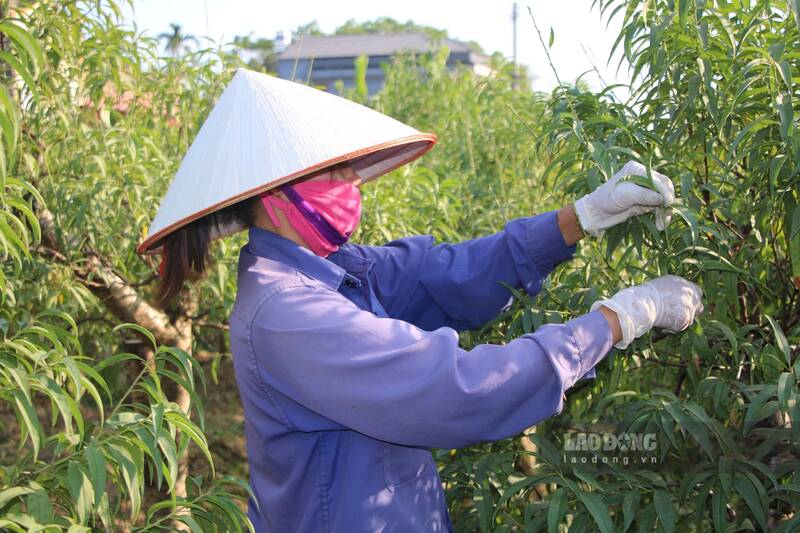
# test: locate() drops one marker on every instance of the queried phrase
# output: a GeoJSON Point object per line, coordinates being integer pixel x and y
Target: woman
{"type": "Point", "coordinates": [346, 355]}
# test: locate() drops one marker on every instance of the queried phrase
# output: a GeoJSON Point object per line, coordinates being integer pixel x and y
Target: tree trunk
{"type": "Point", "coordinates": [187, 303]}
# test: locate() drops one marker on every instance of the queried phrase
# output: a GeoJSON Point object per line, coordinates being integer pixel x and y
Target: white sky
{"type": "Point", "coordinates": [485, 21]}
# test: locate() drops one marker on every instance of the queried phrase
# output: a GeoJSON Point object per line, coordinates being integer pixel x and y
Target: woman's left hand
{"type": "Point", "coordinates": [612, 203]}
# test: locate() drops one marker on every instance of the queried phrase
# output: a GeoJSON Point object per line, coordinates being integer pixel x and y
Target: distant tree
{"type": "Point", "coordinates": [390, 25]}
{"type": "Point", "coordinates": [176, 41]}
{"type": "Point", "coordinates": [311, 28]}
{"type": "Point", "coordinates": [387, 25]}
{"type": "Point", "coordinates": [260, 52]}
{"type": "Point", "coordinates": [476, 47]}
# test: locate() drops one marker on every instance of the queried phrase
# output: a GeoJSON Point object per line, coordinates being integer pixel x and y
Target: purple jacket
{"type": "Point", "coordinates": [349, 369]}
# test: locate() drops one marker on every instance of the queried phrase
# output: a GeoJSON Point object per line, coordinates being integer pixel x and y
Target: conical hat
{"type": "Point", "coordinates": [265, 131]}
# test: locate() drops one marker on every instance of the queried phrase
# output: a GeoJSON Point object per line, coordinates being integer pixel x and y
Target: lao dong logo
{"type": "Point", "coordinates": [610, 448]}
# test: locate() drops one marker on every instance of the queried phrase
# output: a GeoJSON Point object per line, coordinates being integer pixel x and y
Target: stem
{"type": "Point", "coordinates": [544, 46]}
{"type": "Point", "coordinates": [127, 393]}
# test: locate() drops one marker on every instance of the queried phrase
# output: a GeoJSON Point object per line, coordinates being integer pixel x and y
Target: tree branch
{"type": "Point", "coordinates": [119, 296]}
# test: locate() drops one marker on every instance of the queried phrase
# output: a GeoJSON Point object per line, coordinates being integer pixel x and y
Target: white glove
{"type": "Point", "coordinates": [612, 203]}
{"type": "Point", "coordinates": [668, 302]}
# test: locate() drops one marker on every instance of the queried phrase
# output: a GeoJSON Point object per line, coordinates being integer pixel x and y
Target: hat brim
{"type": "Point", "coordinates": [368, 163]}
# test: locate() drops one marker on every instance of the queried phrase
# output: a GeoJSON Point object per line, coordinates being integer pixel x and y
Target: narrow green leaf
{"type": "Point", "coordinates": [9, 124]}
{"type": "Point", "coordinates": [556, 509]}
{"type": "Point", "coordinates": [193, 432]}
{"type": "Point", "coordinates": [642, 181]}
{"type": "Point", "coordinates": [786, 385]}
{"type": "Point", "coordinates": [128, 459]}
{"type": "Point", "coordinates": [14, 492]}
{"type": "Point", "coordinates": [750, 495]}
{"type": "Point", "coordinates": [28, 419]}
{"type": "Point", "coordinates": [80, 490]}
{"type": "Point", "coordinates": [598, 509]}
{"type": "Point", "coordinates": [22, 70]}
{"type": "Point", "coordinates": [97, 470]}
{"type": "Point", "coordinates": [718, 512]}
{"type": "Point", "coordinates": [666, 514]}
{"type": "Point", "coordinates": [629, 504]}
{"type": "Point", "coordinates": [783, 102]}
{"type": "Point", "coordinates": [780, 339]}
{"type": "Point", "coordinates": [795, 5]}
{"type": "Point", "coordinates": [26, 42]}
{"type": "Point", "coordinates": [39, 504]}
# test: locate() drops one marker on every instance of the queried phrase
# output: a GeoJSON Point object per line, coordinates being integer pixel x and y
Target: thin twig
{"type": "Point", "coordinates": [594, 67]}
{"type": "Point", "coordinates": [544, 46]}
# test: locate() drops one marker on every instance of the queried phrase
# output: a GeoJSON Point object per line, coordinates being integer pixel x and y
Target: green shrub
{"type": "Point", "coordinates": [82, 435]}
{"type": "Point", "coordinates": [714, 105]}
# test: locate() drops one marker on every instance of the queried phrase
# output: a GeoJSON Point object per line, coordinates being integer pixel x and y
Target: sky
{"type": "Point", "coordinates": [581, 36]}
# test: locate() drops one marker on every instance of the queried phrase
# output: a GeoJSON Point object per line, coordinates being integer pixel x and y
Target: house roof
{"type": "Point", "coordinates": [376, 44]}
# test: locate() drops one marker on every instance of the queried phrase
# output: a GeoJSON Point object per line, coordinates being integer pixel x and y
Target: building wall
{"type": "Point", "coordinates": [325, 72]}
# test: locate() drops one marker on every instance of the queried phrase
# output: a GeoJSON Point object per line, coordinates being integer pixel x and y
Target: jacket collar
{"type": "Point", "coordinates": [329, 270]}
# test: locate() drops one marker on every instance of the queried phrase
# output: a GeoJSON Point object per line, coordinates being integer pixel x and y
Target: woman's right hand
{"type": "Point", "coordinates": [667, 302]}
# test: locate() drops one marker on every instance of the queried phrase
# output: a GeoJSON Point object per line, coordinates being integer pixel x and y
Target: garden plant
{"type": "Point", "coordinates": [103, 395]}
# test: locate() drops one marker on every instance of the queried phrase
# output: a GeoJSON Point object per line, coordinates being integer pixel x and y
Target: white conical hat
{"type": "Point", "coordinates": [265, 131]}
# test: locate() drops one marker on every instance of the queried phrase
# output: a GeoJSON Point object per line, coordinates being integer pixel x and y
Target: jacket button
{"type": "Point", "coordinates": [350, 282]}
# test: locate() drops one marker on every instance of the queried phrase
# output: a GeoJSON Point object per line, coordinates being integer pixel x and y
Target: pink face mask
{"type": "Point", "coordinates": [324, 212]}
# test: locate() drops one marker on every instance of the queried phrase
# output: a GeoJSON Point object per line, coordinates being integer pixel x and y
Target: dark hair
{"type": "Point", "coordinates": [188, 248]}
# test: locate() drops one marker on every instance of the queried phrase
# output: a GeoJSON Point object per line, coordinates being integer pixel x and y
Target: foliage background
{"type": "Point", "coordinates": [94, 124]}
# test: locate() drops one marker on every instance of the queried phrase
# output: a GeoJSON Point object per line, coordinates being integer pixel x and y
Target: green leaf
{"type": "Point", "coordinates": [167, 445]}
{"type": "Point", "coordinates": [757, 410]}
{"type": "Point", "coordinates": [795, 5]}
{"type": "Point", "coordinates": [783, 102]}
{"type": "Point", "coordinates": [666, 514]}
{"type": "Point", "coordinates": [115, 359]}
{"type": "Point", "coordinates": [629, 504]}
{"type": "Point", "coordinates": [193, 432]}
{"type": "Point", "coordinates": [786, 384]}
{"type": "Point", "coordinates": [144, 331]}
{"type": "Point", "coordinates": [689, 216]}
{"type": "Point", "coordinates": [80, 490]}
{"type": "Point", "coordinates": [28, 421]}
{"type": "Point", "coordinates": [718, 511]}
{"type": "Point", "coordinates": [39, 505]}
{"type": "Point", "coordinates": [128, 459]}
{"type": "Point", "coordinates": [360, 69]}
{"type": "Point", "coordinates": [684, 6]}
{"type": "Point", "coordinates": [785, 68]}
{"type": "Point", "coordinates": [642, 181]}
{"type": "Point", "coordinates": [727, 333]}
{"type": "Point", "coordinates": [97, 471]}
{"type": "Point", "coordinates": [556, 509]}
{"type": "Point", "coordinates": [552, 38]}
{"type": "Point", "coordinates": [191, 522]}
{"type": "Point", "coordinates": [26, 42]}
{"type": "Point", "coordinates": [750, 494]}
{"type": "Point", "coordinates": [518, 486]}
{"type": "Point", "coordinates": [709, 95]}
{"type": "Point", "coordinates": [780, 339]}
{"type": "Point", "coordinates": [23, 72]}
{"type": "Point", "coordinates": [598, 509]}
{"type": "Point", "coordinates": [14, 492]}
{"type": "Point", "coordinates": [58, 396]}
{"type": "Point", "coordinates": [9, 124]}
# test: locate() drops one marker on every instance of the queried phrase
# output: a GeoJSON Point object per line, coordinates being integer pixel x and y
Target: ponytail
{"type": "Point", "coordinates": [187, 251]}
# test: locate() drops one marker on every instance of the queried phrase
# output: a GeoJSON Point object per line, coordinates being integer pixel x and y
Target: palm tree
{"type": "Point", "coordinates": [175, 41]}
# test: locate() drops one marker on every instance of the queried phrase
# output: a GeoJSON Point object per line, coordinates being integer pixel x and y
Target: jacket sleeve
{"type": "Point", "coordinates": [456, 285]}
{"type": "Point", "coordinates": [393, 381]}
